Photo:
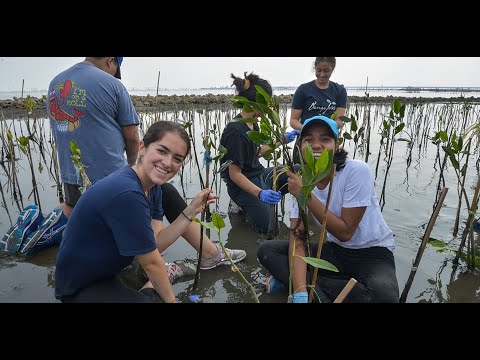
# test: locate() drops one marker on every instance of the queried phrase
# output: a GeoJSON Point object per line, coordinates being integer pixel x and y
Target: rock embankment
{"type": "Point", "coordinates": [17, 106]}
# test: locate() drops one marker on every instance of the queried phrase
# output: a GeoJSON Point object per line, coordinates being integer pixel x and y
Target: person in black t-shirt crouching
{"type": "Point", "coordinates": [249, 183]}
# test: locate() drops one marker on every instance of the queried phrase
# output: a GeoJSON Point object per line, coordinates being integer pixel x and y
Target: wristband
{"type": "Point", "coordinates": [186, 216]}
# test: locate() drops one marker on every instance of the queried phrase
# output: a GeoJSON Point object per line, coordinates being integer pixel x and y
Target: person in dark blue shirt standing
{"type": "Point", "coordinates": [320, 97]}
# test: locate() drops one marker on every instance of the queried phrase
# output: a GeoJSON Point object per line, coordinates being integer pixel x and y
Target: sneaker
{"type": "Point", "coordinates": [221, 259]}
{"type": "Point", "coordinates": [27, 222]}
{"type": "Point", "coordinates": [274, 286]}
{"type": "Point", "coordinates": [179, 269]}
{"type": "Point", "coordinates": [49, 233]}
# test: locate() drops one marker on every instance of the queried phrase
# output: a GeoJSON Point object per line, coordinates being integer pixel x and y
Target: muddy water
{"type": "Point", "coordinates": [410, 195]}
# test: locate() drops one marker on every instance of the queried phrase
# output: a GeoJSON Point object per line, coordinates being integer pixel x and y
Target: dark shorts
{"type": "Point", "coordinates": [72, 194]}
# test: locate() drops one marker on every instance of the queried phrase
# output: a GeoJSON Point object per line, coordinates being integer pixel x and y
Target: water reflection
{"type": "Point", "coordinates": [411, 190]}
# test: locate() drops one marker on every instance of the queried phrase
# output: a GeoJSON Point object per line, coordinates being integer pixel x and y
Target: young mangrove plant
{"type": "Point", "coordinates": [76, 156]}
{"type": "Point", "coordinates": [217, 224]}
{"type": "Point", "coordinates": [392, 126]}
{"type": "Point", "coordinates": [312, 172]}
{"type": "Point", "coordinates": [271, 134]}
{"type": "Point", "coordinates": [457, 152]}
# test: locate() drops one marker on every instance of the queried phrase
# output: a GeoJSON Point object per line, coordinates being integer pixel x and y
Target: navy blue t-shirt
{"type": "Point", "coordinates": [314, 101]}
{"type": "Point", "coordinates": [109, 226]}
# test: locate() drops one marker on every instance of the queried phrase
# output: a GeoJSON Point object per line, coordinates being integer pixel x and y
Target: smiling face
{"type": "Point", "coordinates": [320, 137]}
{"type": "Point", "coordinates": [162, 159]}
{"type": "Point", "coordinates": [323, 72]}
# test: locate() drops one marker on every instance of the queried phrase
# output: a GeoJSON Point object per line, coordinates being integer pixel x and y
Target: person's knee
{"type": "Point", "coordinates": [261, 252]}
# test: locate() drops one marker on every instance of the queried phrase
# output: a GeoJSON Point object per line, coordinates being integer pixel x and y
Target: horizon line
{"type": "Point", "coordinates": [289, 87]}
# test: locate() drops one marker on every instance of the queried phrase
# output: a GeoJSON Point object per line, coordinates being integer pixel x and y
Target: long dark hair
{"type": "Point", "coordinates": [246, 87]}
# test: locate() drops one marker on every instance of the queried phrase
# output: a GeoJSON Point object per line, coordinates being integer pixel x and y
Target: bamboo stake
{"type": "Point", "coordinates": [426, 236]}
{"type": "Point", "coordinates": [158, 81]}
{"type": "Point", "coordinates": [322, 234]}
{"type": "Point", "coordinates": [346, 290]}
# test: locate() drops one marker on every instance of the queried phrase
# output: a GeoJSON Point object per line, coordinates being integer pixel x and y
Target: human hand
{"type": "Point", "coordinates": [291, 135]}
{"type": "Point", "coordinates": [300, 298]}
{"type": "Point", "coordinates": [270, 197]}
{"type": "Point", "coordinates": [199, 202]}
{"type": "Point", "coordinates": [294, 183]}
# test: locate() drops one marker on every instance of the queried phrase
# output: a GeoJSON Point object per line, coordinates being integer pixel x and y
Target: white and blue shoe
{"type": "Point", "coordinates": [27, 222]}
{"type": "Point", "coordinates": [48, 233]}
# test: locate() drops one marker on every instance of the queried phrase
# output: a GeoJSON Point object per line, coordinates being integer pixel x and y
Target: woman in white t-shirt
{"type": "Point", "coordinates": [359, 242]}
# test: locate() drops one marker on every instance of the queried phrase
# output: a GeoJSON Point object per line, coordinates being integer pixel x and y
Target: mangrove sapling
{"type": "Point", "coordinates": [322, 234]}
{"type": "Point", "coordinates": [189, 126]}
{"type": "Point", "coordinates": [76, 156]}
{"type": "Point", "coordinates": [312, 172]}
{"type": "Point", "coordinates": [56, 172]}
{"type": "Point", "coordinates": [358, 133]}
{"type": "Point", "coordinates": [270, 135]}
{"type": "Point", "coordinates": [455, 151]}
{"type": "Point", "coordinates": [17, 197]}
{"type": "Point", "coordinates": [425, 240]}
{"type": "Point", "coordinates": [217, 224]}
{"type": "Point", "coordinates": [392, 126]}
{"type": "Point", "coordinates": [24, 145]}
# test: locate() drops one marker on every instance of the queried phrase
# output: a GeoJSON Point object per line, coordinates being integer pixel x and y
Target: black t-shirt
{"type": "Point", "coordinates": [240, 149]}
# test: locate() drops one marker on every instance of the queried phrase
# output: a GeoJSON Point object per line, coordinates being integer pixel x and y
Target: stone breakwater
{"type": "Point", "coordinates": [16, 106]}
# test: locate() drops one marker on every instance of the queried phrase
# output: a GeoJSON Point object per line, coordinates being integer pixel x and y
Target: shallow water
{"type": "Point", "coordinates": [410, 195]}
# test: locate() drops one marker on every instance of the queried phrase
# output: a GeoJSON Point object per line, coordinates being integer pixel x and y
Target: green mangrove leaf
{"type": "Point", "coordinates": [436, 243]}
{"type": "Point", "coordinates": [23, 140]}
{"type": "Point", "coordinates": [396, 106]}
{"type": "Point", "coordinates": [320, 264]}
{"type": "Point", "coordinates": [257, 137]}
{"type": "Point", "coordinates": [206, 225]}
{"type": "Point", "coordinates": [303, 199]}
{"type": "Point", "coordinates": [309, 157]}
{"type": "Point", "coordinates": [399, 128]}
{"type": "Point", "coordinates": [264, 94]}
{"type": "Point", "coordinates": [217, 221]}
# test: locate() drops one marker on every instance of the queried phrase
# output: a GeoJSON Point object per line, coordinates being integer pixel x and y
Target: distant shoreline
{"type": "Point", "coordinates": [12, 108]}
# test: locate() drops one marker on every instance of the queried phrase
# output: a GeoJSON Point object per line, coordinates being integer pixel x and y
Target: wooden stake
{"type": "Point", "coordinates": [423, 245]}
{"type": "Point", "coordinates": [346, 290]}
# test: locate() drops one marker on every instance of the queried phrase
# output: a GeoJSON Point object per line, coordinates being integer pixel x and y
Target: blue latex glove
{"type": "Point", "coordinates": [300, 298]}
{"type": "Point", "coordinates": [270, 197]}
{"type": "Point", "coordinates": [291, 135]}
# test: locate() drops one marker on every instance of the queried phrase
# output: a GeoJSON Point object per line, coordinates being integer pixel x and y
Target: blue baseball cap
{"type": "Point", "coordinates": [316, 119]}
{"type": "Point", "coordinates": [119, 61]}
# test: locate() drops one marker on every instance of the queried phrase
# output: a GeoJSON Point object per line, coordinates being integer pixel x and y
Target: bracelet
{"type": "Point", "coordinates": [186, 216]}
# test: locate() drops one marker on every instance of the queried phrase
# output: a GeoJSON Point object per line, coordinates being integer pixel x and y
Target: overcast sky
{"type": "Point", "coordinates": [199, 72]}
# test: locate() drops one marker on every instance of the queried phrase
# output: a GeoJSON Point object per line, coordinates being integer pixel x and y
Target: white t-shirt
{"type": "Point", "coordinates": [354, 187]}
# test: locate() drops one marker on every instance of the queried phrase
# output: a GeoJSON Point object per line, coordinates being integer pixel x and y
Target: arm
{"type": "Point", "coordinates": [242, 181]}
{"type": "Point", "coordinates": [338, 113]}
{"type": "Point", "coordinates": [168, 235]}
{"type": "Point", "coordinates": [132, 141]}
{"type": "Point", "coordinates": [156, 271]}
{"type": "Point", "coordinates": [295, 117]}
{"type": "Point", "coordinates": [298, 266]}
{"type": "Point", "coordinates": [342, 227]}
